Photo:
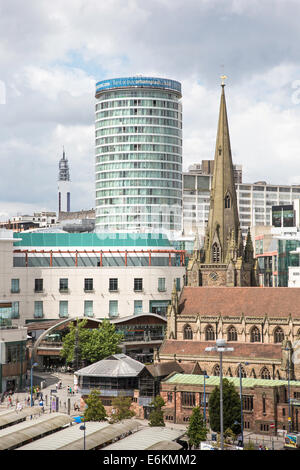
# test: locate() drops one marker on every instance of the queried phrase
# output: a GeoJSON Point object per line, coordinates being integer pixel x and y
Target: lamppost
{"type": "Point", "coordinates": [83, 428]}
{"type": "Point", "coordinates": [289, 392]}
{"type": "Point", "coordinates": [31, 380]}
{"type": "Point", "coordinates": [205, 376]}
{"type": "Point", "coordinates": [241, 398]}
{"type": "Point", "coordinates": [220, 348]}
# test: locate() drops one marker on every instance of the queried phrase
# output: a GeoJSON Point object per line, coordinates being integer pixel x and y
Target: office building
{"type": "Point", "coordinates": [52, 276]}
{"type": "Point", "coordinates": [255, 201]}
{"type": "Point", "coordinates": [138, 155]}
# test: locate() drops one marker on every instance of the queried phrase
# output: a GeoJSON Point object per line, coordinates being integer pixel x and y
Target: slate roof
{"type": "Point", "coordinates": [162, 369]}
{"type": "Point", "coordinates": [117, 365]}
{"type": "Point", "coordinates": [197, 348]}
{"type": "Point", "coordinates": [235, 301]}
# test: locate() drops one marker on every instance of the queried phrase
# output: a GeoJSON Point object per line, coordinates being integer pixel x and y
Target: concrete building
{"type": "Point", "coordinates": [52, 276]}
{"type": "Point", "coordinates": [19, 223]}
{"type": "Point", "coordinates": [255, 201]}
{"type": "Point", "coordinates": [13, 357]}
{"type": "Point", "coordinates": [138, 155]}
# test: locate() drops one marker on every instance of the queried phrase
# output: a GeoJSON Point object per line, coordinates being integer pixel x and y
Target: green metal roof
{"type": "Point", "coordinates": [135, 240]}
{"type": "Point", "coordinates": [191, 379]}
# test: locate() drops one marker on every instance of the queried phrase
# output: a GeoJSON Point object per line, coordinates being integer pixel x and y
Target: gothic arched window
{"type": "Point", "coordinates": [216, 370]}
{"type": "Point", "coordinates": [209, 333]}
{"type": "Point", "coordinates": [187, 332]}
{"type": "Point", "coordinates": [265, 373]}
{"type": "Point", "coordinates": [227, 201]}
{"type": "Point", "coordinates": [255, 335]}
{"type": "Point", "coordinates": [278, 335]}
{"type": "Point", "coordinates": [215, 253]}
{"type": "Point", "coordinates": [231, 334]}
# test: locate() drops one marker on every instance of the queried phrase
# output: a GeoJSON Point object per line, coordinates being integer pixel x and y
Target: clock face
{"type": "Point", "coordinates": [213, 276]}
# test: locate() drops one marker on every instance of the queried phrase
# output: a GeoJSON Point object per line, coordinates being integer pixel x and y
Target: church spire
{"type": "Point", "coordinates": [223, 223]}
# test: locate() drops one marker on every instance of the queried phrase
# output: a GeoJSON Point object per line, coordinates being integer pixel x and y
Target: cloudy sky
{"type": "Point", "coordinates": [52, 53]}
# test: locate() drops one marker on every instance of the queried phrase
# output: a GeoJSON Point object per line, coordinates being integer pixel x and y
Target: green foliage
{"type": "Point", "coordinates": [94, 344]}
{"type": "Point", "coordinates": [121, 405]}
{"type": "Point", "coordinates": [231, 408]}
{"type": "Point", "coordinates": [156, 417]}
{"type": "Point", "coordinates": [95, 410]}
{"type": "Point", "coordinates": [197, 430]}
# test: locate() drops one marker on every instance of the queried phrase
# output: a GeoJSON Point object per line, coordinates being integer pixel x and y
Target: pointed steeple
{"type": "Point", "coordinates": [223, 223]}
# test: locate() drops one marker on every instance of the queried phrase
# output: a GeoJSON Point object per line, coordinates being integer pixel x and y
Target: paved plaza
{"type": "Point", "coordinates": [66, 403]}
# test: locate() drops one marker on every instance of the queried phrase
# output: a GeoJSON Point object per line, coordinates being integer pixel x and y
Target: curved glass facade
{"type": "Point", "coordinates": [138, 163]}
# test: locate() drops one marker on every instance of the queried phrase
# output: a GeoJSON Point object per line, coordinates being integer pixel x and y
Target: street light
{"type": "Point", "coordinates": [241, 398]}
{"type": "Point", "coordinates": [289, 396]}
{"type": "Point", "coordinates": [220, 348]}
{"type": "Point", "coordinates": [83, 428]}
{"type": "Point", "coordinates": [31, 380]}
{"type": "Point", "coordinates": [204, 397]}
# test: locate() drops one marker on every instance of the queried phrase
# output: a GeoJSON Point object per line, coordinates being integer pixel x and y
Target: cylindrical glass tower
{"type": "Point", "coordinates": [138, 155]}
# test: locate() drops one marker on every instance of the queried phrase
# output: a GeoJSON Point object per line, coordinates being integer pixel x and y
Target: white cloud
{"type": "Point", "coordinates": [52, 54]}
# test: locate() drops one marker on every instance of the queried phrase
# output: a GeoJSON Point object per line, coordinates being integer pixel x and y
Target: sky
{"type": "Point", "coordinates": [53, 53]}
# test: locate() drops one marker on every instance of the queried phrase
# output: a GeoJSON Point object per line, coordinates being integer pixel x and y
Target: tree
{"type": "Point", "coordinates": [93, 344]}
{"type": "Point", "coordinates": [231, 408]}
{"type": "Point", "coordinates": [95, 410]}
{"type": "Point", "coordinates": [156, 417]}
{"type": "Point", "coordinates": [197, 430]}
{"type": "Point", "coordinates": [121, 405]}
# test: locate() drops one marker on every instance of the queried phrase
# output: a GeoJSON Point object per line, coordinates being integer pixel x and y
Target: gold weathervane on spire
{"type": "Point", "coordinates": [223, 77]}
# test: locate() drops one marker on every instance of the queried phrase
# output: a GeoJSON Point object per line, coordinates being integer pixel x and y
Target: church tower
{"type": "Point", "coordinates": [224, 261]}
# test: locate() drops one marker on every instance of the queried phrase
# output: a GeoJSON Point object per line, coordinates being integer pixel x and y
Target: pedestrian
{"type": "Point", "coordinates": [41, 404]}
{"type": "Point", "coordinates": [19, 407]}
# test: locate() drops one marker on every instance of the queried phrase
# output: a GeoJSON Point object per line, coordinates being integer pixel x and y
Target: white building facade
{"type": "Point", "coordinates": [138, 141]}
{"type": "Point", "coordinates": [59, 275]}
{"type": "Point", "coordinates": [255, 201]}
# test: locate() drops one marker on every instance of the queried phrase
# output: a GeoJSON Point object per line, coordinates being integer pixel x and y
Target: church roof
{"type": "Point", "coordinates": [187, 379]}
{"type": "Point", "coordinates": [193, 348]}
{"type": "Point", "coordinates": [235, 301]}
{"type": "Point", "coordinates": [161, 369]}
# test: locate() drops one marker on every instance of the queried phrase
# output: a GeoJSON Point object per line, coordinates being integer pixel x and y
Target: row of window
{"type": "Point", "coordinates": [139, 174]}
{"type": "Point", "coordinates": [89, 284]}
{"type": "Point", "coordinates": [139, 121]}
{"type": "Point", "coordinates": [138, 192]}
{"type": "Point", "coordinates": [164, 157]}
{"type": "Point", "coordinates": [136, 102]}
{"type": "Point", "coordinates": [232, 335]}
{"type": "Point", "coordinates": [139, 148]}
{"type": "Point", "coordinates": [138, 138]}
{"type": "Point", "coordinates": [138, 93]}
{"type": "Point", "coordinates": [138, 130]}
{"type": "Point", "coordinates": [138, 112]}
{"type": "Point", "coordinates": [188, 399]}
{"type": "Point", "coordinates": [139, 182]}
{"type": "Point", "coordinates": [143, 164]}
{"type": "Point", "coordinates": [156, 307]}
{"type": "Point", "coordinates": [140, 200]}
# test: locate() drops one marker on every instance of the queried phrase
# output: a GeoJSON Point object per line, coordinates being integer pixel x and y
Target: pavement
{"type": "Point", "coordinates": [67, 379]}
{"type": "Point", "coordinates": [50, 380]}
